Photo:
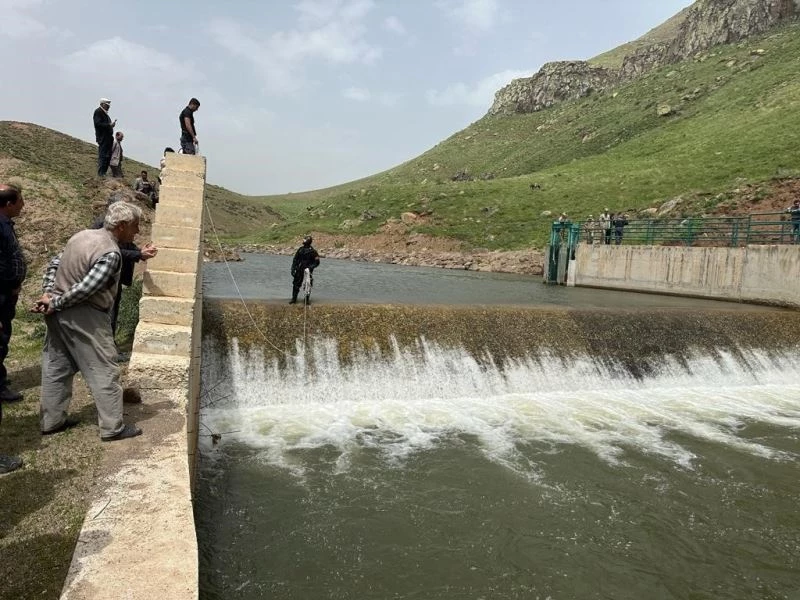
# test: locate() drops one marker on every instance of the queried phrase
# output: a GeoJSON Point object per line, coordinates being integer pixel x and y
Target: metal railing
{"type": "Point", "coordinates": [756, 228]}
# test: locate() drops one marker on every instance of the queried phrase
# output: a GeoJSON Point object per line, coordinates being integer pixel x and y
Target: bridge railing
{"type": "Point", "coordinates": [756, 228]}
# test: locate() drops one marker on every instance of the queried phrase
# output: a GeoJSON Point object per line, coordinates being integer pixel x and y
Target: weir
{"type": "Point", "coordinates": [377, 450]}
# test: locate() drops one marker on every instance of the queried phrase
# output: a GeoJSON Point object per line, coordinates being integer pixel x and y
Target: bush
{"type": "Point", "coordinates": [128, 313]}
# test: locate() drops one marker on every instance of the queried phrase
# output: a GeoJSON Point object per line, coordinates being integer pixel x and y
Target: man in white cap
{"type": "Point", "coordinates": [104, 135]}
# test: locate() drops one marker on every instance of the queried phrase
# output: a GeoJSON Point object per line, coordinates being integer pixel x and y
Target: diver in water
{"type": "Point", "coordinates": [305, 258]}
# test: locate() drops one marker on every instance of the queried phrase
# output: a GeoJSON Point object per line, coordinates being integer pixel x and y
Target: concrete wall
{"type": "Point", "coordinates": [761, 274]}
{"type": "Point", "coordinates": [138, 539]}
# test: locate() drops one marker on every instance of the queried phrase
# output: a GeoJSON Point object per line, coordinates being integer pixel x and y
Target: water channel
{"type": "Point", "coordinates": [420, 433]}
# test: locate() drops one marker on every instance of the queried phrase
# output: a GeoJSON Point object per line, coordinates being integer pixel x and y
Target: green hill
{"type": "Point", "coordinates": [700, 129]}
{"type": "Point", "coordinates": [61, 168]}
{"type": "Point", "coordinates": [732, 120]}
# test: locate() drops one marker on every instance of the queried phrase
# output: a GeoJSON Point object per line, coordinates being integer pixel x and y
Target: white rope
{"type": "Point", "coordinates": [236, 285]}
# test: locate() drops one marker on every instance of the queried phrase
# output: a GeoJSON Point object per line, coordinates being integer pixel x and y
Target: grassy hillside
{"type": "Point", "coordinates": [733, 120]}
{"type": "Point", "coordinates": [62, 168]}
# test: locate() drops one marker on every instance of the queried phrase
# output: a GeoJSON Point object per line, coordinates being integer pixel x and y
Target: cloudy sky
{"type": "Point", "coordinates": [296, 94]}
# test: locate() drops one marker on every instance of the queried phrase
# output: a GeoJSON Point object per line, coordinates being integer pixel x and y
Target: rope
{"type": "Point", "coordinates": [236, 285]}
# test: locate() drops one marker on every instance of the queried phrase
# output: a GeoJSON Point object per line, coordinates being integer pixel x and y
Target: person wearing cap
{"type": "Point", "coordinates": [78, 291]}
{"type": "Point", "coordinates": [305, 258]}
{"type": "Point", "coordinates": [605, 225]}
{"type": "Point", "coordinates": [104, 135]}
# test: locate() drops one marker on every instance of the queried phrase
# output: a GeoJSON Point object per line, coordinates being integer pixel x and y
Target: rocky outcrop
{"type": "Point", "coordinates": [555, 82]}
{"type": "Point", "coordinates": [707, 23]}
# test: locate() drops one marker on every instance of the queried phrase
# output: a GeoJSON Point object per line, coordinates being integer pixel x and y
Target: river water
{"type": "Point", "coordinates": [422, 472]}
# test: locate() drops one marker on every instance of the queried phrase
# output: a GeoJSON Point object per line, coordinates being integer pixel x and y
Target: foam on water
{"type": "Point", "coordinates": [416, 398]}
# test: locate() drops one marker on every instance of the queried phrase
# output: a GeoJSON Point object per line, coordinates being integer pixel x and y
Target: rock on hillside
{"type": "Point", "coordinates": [707, 23]}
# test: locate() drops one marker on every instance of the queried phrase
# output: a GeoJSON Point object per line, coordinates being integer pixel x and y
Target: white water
{"type": "Point", "coordinates": [415, 399]}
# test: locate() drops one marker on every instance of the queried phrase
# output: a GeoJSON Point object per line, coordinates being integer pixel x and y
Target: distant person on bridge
{"type": "Point", "coordinates": [619, 221]}
{"type": "Point", "coordinates": [305, 258]}
{"type": "Point", "coordinates": [188, 130]}
{"type": "Point", "coordinates": [104, 135]}
{"type": "Point", "coordinates": [794, 211]}
{"type": "Point", "coordinates": [605, 224]}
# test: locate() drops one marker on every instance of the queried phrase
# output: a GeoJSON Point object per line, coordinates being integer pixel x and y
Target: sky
{"type": "Point", "coordinates": [295, 94]}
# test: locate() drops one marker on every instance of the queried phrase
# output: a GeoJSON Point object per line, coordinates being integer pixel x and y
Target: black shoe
{"type": "Point", "coordinates": [9, 463]}
{"type": "Point", "coordinates": [7, 395]}
{"type": "Point", "coordinates": [128, 431]}
{"type": "Point", "coordinates": [293, 301]}
{"type": "Point", "coordinates": [67, 424]}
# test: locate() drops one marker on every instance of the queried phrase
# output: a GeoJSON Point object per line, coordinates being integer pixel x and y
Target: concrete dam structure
{"type": "Point", "coordinates": [376, 451]}
{"type": "Point", "coordinates": [570, 445]}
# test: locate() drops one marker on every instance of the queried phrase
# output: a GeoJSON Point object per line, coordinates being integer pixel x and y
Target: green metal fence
{"type": "Point", "coordinates": [756, 228]}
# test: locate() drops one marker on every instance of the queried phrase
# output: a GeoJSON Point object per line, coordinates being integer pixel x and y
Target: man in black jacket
{"type": "Point", "coordinates": [305, 258]}
{"type": "Point", "coordinates": [104, 135]}
{"type": "Point", "coordinates": [13, 269]}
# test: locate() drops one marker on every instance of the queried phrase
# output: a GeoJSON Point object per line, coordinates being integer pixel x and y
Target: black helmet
{"type": "Point", "coordinates": [307, 240]}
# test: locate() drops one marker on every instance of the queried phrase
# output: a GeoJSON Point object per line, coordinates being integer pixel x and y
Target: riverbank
{"type": "Point", "coordinates": [394, 246]}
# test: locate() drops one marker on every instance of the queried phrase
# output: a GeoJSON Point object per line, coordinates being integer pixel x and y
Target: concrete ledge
{"type": "Point", "coordinates": [165, 283]}
{"type": "Point", "coordinates": [167, 311]}
{"type": "Point", "coordinates": [176, 260]}
{"type": "Point", "coordinates": [174, 195]}
{"type": "Point", "coordinates": [760, 274]}
{"type": "Point", "coordinates": [171, 236]}
{"type": "Point", "coordinates": [180, 216]}
{"type": "Point", "coordinates": [138, 540]}
{"type": "Point", "coordinates": [159, 372]}
{"type": "Point", "coordinates": [156, 338]}
{"type": "Point", "coordinates": [176, 178]}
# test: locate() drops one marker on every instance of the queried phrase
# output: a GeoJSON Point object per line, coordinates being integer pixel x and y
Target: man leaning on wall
{"type": "Point", "coordinates": [78, 295]}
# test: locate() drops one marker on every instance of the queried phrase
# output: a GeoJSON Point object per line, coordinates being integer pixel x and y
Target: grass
{"type": "Point", "coordinates": [734, 120]}
{"type": "Point", "coordinates": [42, 506]}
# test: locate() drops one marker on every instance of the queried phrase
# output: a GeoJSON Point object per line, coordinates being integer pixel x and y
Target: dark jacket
{"type": "Point", "coordinates": [103, 131]}
{"type": "Point", "coordinates": [13, 267]}
{"type": "Point", "coordinates": [305, 258]}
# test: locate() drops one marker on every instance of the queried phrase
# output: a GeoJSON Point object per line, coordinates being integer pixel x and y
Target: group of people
{"type": "Point", "coordinates": [79, 303]}
{"type": "Point", "coordinates": [606, 226]}
{"type": "Point", "coordinates": [109, 143]}
{"type": "Point", "coordinates": [601, 230]}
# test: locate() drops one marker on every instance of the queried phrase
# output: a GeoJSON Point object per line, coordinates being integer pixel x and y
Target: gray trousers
{"type": "Point", "coordinates": [80, 339]}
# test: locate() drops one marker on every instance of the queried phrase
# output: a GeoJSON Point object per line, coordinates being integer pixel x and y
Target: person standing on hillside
{"type": "Point", "coordinates": [794, 212]}
{"type": "Point", "coordinates": [77, 294]}
{"type": "Point", "coordinates": [305, 258]}
{"type": "Point", "coordinates": [104, 135]}
{"type": "Point", "coordinates": [13, 269]}
{"type": "Point", "coordinates": [605, 225]}
{"type": "Point", "coordinates": [116, 155]}
{"type": "Point", "coordinates": [188, 131]}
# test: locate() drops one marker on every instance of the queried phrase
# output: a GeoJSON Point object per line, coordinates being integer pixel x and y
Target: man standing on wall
{"type": "Point", "coordinates": [78, 293]}
{"type": "Point", "coordinates": [116, 155]}
{"type": "Point", "coordinates": [188, 131]}
{"type": "Point", "coordinates": [104, 135]}
{"type": "Point", "coordinates": [13, 269]}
